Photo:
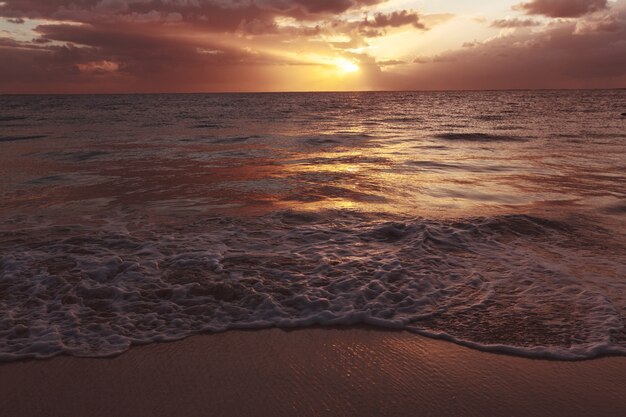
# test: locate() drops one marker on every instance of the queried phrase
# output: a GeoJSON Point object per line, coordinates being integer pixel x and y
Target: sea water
{"type": "Point", "coordinates": [493, 219]}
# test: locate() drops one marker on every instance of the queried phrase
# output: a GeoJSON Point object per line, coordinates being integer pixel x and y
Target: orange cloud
{"type": "Point", "coordinates": [98, 67]}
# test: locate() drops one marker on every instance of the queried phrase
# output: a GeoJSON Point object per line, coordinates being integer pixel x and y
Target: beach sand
{"type": "Point", "coordinates": [311, 372]}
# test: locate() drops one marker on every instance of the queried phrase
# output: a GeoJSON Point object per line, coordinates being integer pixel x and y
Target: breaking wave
{"type": "Point", "coordinates": [516, 283]}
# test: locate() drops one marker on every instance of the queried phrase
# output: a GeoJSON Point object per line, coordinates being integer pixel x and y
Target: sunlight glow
{"type": "Point", "coordinates": [346, 65]}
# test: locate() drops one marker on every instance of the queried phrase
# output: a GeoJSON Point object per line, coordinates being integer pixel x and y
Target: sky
{"type": "Point", "coordinates": [113, 46]}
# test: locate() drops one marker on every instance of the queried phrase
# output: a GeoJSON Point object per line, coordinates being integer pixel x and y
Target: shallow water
{"type": "Point", "coordinates": [494, 219]}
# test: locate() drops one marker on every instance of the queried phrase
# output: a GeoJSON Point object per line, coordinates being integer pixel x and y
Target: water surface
{"type": "Point", "coordinates": [495, 219]}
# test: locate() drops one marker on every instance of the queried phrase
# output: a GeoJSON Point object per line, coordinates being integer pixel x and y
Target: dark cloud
{"type": "Point", "coordinates": [325, 6]}
{"type": "Point", "coordinates": [151, 45]}
{"type": "Point", "coordinates": [562, 8]}
{"type": "Point", "coordinates": [139, 53]}
{"type": "Point", "coordinates": [390, 63]}
{"type": "Point", "coordinates": [393, 19]}
{"type": "Point", "coordinates": [78, 58]}
{"type": "Point", "coordinates": [217, 14]}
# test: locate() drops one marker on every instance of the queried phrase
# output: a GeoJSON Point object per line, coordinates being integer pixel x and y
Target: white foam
{"type": "Point", "coordinates": [513, 284]}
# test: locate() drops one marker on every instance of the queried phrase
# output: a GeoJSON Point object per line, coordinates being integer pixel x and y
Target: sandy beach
{"type": "Point", "coordinates": [312, 372]}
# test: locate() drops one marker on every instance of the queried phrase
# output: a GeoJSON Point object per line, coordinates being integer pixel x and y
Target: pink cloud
{"type": "Point", "coordinates": [587, 53]}
{"type": "Point", "coordinates": [98, 67]}
{"type": "Point", "coordinates": [562, 8]}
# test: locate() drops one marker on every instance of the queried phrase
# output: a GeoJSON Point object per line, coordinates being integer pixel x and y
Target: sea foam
{"type": "Point", "coordinates": [517, 283]}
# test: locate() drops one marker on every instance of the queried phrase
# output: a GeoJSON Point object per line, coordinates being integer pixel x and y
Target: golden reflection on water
{"type": "Point", "coordinates": [351, 169]}
{"type": "Point", "coordinates": [398, 178]}
{"type": "Point", "coordinates": [394, 178]}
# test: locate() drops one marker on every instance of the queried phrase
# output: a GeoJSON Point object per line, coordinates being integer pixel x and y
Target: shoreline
{"type": "Point", "coordinates": [312, 372]}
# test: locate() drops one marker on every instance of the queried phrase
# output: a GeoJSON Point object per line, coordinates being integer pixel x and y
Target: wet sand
{"type": "Point", "coordinates": [311, 372]}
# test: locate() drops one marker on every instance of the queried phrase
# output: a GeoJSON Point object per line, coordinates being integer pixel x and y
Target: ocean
{"type": "Point", "coordinates": [491, 219]}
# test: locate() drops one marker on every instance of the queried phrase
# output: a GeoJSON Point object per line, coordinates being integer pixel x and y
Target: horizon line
{"type": "Point", "coordinates": [308, 91]}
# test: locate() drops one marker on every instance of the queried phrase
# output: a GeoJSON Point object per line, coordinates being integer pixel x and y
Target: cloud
{"type": "Point", "coordinates": [325, 6]}
{"type": "Point", "coordinates": [393, 19]}
{"type": "Point", "coordinates": [513, 23]}
{"type": "Point", "coordinates": [562, 8]}
{"type": "Point", "coordinates": [569, 54]}
{"type": "Point", "coordinates": [602, 22]}
{"type": "Point", "coordinates": [78, 58]}
{"type": "Point", "coordinates": [225, 45]}
{"type": "Point", "coordinates": [177, 45]}
{"type": "Point", "coordinates": [98, 67]}
{"type": "Point", "coordinates": [218, 14]}
{"type": "Point", "coordinates": [390, 63]}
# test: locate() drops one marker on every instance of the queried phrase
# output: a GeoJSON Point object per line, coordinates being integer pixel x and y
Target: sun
{"type": "Point", "coordinates": [346, 65]}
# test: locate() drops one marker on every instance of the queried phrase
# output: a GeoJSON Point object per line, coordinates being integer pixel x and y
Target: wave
{"type": "Point", "coordinates": [478, 137]}
{"type": "Point", "coordinates": [77, 156]}
{"type": "Point", "coordinates": [206, 125]}
{"type": "Point", "coordinates": [237, 139]}
{"type": "Point", "coordinates": [12, 118]}
{"type": "Point", "coordinates": [490, 117]}
{"type": "Point", "coordinates": [18, 138]}
{"type": "Point", "coordinates": [517, 283]}
{"type": "Point", "coordinates": [336, 139]}
{"type": "Point", "coordinates": [449, 167]}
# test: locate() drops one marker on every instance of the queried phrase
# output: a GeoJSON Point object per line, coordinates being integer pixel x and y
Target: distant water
{"type": "Point", "coordinates": [493, 219]}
